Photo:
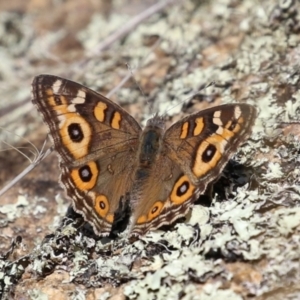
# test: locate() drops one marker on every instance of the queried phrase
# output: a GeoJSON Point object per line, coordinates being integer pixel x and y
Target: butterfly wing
{"type": "Point", "coordinates": [194, 153]}
{"type": "Point", "coordinates": [96, 141]}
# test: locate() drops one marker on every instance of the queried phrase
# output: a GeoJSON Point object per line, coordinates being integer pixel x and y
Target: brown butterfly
{"type": "Point", "coordinates": [106, 158]}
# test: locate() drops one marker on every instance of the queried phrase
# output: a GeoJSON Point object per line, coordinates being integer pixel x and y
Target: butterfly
{"type": "Point", "coordinates": [107, 159]}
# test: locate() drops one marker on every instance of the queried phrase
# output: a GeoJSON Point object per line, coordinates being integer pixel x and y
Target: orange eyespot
{"type": "Point", "coordinates": [155, 210]}
{"type": "Point", "coordinates": [183, 190]}
{"type": "Point", "coordinates": [86, 176]}
{"type": "Point", "coordinates": [209, 153]}
{"type": "Point", "coordinates": [76, 134]}
{"type": "Point", "coordinates": [153, 213]}
{"type": "Point", "coordinates": [101, 205]}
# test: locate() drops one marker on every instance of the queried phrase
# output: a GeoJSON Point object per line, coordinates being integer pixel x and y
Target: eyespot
{"type": "Point", "coordinates": [86, 176]}
{"type": "Point", "coordinates": [182, 190]}
{"type": "Point", "coordinates": [154, 211]}
{"type": "Point", "coordinates": [85, 173]}
{"type": "Point", "coordinates": [75, 132]}
{"type": "Point", "coordinates": [209, 153]}
{"type": "Point", "coordinates": [101, 205]}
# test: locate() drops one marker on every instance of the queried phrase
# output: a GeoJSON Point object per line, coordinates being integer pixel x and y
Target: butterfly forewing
{"type": "Point", "coordinates": [83, 124]}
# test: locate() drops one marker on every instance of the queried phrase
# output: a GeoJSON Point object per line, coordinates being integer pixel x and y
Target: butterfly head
{"type": "Point", "coordinates": [157, 121]}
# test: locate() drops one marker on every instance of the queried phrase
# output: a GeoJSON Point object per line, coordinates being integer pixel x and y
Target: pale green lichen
{"type": "Point", "coordinates": [274, 171]}
{"type": "Point", "coordinates": [213, 291]}
{"type": "Point", "coordinates": [12, 211]}
{"type": "Point", "coordinates": [36, 294]}
{"type": "Point", "coordinates": [99, 21]}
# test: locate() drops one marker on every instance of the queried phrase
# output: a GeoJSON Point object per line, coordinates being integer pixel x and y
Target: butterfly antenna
{"type": "Point", "coordinates": [35, 151]}
{"type": "Point", "coordinates": [41, 156]}
{"type": "Point", "coordinates": [132, 72]}
{"type": "Point", "coordinates": [138, 85]}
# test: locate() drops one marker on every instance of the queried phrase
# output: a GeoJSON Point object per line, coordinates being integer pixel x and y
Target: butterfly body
{"type": "Point", "coordinates": [107, 159]}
